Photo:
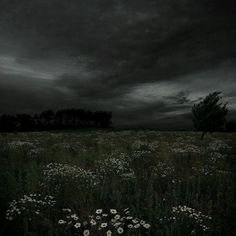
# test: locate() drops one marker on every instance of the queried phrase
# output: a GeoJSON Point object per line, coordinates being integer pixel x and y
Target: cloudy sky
{"type": "Point", "coordinates": [147, 61]}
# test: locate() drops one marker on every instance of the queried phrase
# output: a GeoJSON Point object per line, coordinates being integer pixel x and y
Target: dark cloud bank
{"type": "Point", "coordinates": [147, 61]}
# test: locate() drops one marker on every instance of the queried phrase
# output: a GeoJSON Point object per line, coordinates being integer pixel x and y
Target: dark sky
{"type": "Point", "coordinates": [147, 61]}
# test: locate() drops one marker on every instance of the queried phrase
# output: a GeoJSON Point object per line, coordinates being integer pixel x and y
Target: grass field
{"type": "Point", "coordinates": [117, 183]}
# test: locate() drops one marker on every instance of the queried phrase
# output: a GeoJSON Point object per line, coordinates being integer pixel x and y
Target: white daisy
{"type": "Point", "coordinates": [98, 211]}
{"type": "Point", "coordinates": [113, 211]}
{"type": "Point", "coordinates": [109, 233]}
{"type": "Point", "coordinates": [117, 224]}
{"type": "Point", "coordinates": [61, 222]}
{"type": "Point", "coordinates": [103, 225]}
{"type": "Point", "coordinates": [134, 221]}
{"type": "Point", "coordinates": [142, 222]}
{"type": "Point", "coordinates": [136, 226]}
{"type": "Point", "coordinates": [146, 226]}
{"type": "Point", "coordinates": [77, 225]}
{"type": "Point", "coordinates": [93, 222]}
{"type": "Point", "coordinates": [74, 216]}
{"type": "Point", "coordinates": [120, 230]}
{"type": "Point", "coordinates": [86, 232]}
{"type": "Point", "coordinates": [117, 217]}
{"type": "Point", "coordinates": [66, 209]}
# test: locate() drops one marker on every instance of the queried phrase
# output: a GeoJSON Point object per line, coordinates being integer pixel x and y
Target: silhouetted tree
{"type": "Point", "coordinates": [62, 119]}
{"type": "Point", "coordinates": [24, 122]}
{"type": "Point", "coordinates": [46, 120]}
{"type": "Point", "coordinates": [102, 119]}
{"type": "Point", "coordinates": [7, 123]}
{"type": "Point", "coordinates": [209, 115]}
{"type": "Point", "coordinates": [231, 126]}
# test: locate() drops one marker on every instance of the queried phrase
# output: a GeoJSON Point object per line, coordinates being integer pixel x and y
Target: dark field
{"type": "Point", "coordinates": [117, 183]}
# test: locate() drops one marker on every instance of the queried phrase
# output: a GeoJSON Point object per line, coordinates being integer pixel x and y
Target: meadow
{"type": "Point", "coordinates": [131, 182]}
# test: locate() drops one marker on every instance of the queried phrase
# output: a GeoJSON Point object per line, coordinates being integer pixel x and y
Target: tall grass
{"type": "Point", "coordinates": [170, 180]}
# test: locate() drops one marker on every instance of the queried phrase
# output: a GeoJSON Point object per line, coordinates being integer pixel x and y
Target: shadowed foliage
{"type": "Point", "coordinates": [49, 120]}
{"type": "Point", "coordinates": [209, 115]}
{"type": "Point", "coordinates": [231, 126]}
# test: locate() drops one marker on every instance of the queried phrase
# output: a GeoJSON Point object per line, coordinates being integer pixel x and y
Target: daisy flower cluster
{"type": "Point", "coordinates": [70, 147]}
{"type": "Point", "coordinates": [217, 150]}
{"type": "Point", "coordinates": [35, 152]}
{"type": "Point", "coordinates": [183, 148]}
{"type": "Point", "coordinates": [205, 170]}
{"type": "Point", "coordinates": [63, 145]}
{"type": "Point", "coordinates": [154, 145]}
{"type": "Point", "coordinates": [115, 166]}
{"type": "Point", "coordinates": [146, 146]}
{"type": "Point", "coordinates": [163, 170]}
{"type": "Point", "coordinates": [32, 150]}
{"type": "Point", "coordinates": [218, 146]}
{"type": "Point", "coordinates": [140, 145]}
{"type": "Point", "coordinates": [21, 144]}
{"type": "Point", "coordinates": [138, 155]}
{"type": "Point", "coordinates": [59, 173]}
{"type": "Point", "coordinates": [30, 205]}
{"type": "Point", "coordinates": [103, 223]}
{"type": "Point", "coordinates": [197, 217]}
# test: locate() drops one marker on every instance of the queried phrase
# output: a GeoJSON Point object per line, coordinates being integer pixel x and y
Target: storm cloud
{"type": "Point", "coordinates": [147, 61]}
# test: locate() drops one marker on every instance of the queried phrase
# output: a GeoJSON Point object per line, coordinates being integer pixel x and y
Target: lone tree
{"type": "Point", "coordinates": [209, 115]}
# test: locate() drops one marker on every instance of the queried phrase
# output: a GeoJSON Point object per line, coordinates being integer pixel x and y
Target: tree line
{"type": "Point", "coordinates": [59, 120]}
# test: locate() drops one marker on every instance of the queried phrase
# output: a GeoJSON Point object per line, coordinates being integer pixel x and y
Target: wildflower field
{"type": "Point", "coordinates": [117, 183]}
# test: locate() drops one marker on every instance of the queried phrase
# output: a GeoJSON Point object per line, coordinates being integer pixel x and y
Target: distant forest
{"type": "Point", "coordinates": [59, 120]}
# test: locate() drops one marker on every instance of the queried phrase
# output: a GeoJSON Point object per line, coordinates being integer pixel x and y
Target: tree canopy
{"type": "Point", "coordinates": [209, 115]}
{"type": "Point", "coordinates": [60, 120]}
